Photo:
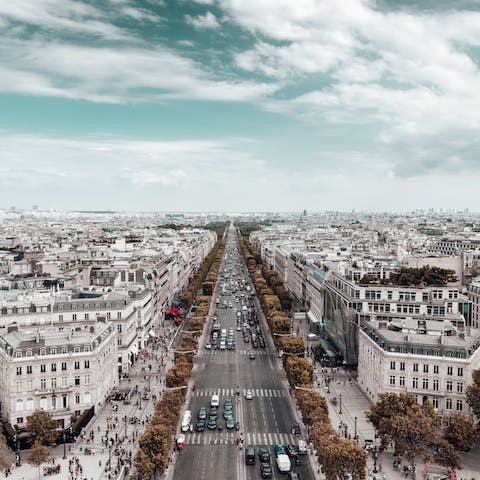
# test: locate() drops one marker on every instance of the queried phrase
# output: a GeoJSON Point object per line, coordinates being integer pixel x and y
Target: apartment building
{"type": "Point", "coordinates": [62, 372]}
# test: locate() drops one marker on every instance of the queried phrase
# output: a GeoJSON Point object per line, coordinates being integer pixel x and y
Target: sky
{"type": "Point", "coordinates": [240, 105]}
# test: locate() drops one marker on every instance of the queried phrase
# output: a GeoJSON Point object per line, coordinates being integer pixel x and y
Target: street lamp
{"type": "Point", "coordinates": [340, 410]}
{"type": "Point", "coordinates": [375, 456]}
{"type": "Point", "coordinates": [125, 418]}
{"type": "Point", "coordinates": [355, 437]}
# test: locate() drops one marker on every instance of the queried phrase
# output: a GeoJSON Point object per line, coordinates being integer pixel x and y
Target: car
{"type": "Point", "coordinates": [200, 426]}
{"type": "Point", "coordinates": [252, 356]}
{"type": "Point", "coordinates": [230, 346]}
{"type": "Point", "coordinates": [249, 455]}
{"type": "Point", "coordinates": [261, 341]}
{"type": "Point", "coordinates": [291, 450]}
{"type": "Point", "coordinates": [215, 401]}
{"type": "Point", "coordinates": [295, 429]}
{"type": "Point", "coordinates": [228, 404]}
{"type": "Point", "coordinates": [246, 339]}
{"type": "Point", "coordinates": [208, 346]}
{"type": "Point", "coordinates": [239, 328]}
{"type": "Point", "coordinates": [212, 423]}
{"type": "Point", "coordinates": [227, 414]}
{"type": "Point", "coordinates": [264, 455]}
{"type": "Point", "coordinates": [265, 470]}
{"type": "Point", "coordinates": [293, 476]}
{"type": "Point", "coordinates": [248, 395]}
{"type": "Point", "coordinates": [302, 447]}
{"type": "Point", "coordinates": [279, 449]}
{"type": "Point", "coordinates": [230, 423]}
{"type": "Point", "coordinates": [255, 344]}
{"type": "Point", "coordinates": [213, 412]}
{"type": "Point", "coordinates": [202, 413]}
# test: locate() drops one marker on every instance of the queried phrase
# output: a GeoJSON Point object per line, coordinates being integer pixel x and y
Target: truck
{"type": "Point", "coordinates": [283, 462]}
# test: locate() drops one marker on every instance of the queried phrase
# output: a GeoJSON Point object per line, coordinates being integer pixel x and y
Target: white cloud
{"type": "Point", "coordinates": [113, 74]}
{"type": "Point", "coordinates": [203, 22]}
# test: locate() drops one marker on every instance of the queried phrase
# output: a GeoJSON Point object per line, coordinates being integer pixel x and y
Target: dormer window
{"type": "Point", "coordinates": [18, 354]}
{"type": "Point", "coordinates": [43, 351]}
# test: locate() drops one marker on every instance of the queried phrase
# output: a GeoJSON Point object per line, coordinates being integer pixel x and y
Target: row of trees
{"type": "Point", "coordinates": [152, 455]}
{"type": "Point", "coordinates": [339, 457]}
{"type": "Point", "coordinates": [417, 431]}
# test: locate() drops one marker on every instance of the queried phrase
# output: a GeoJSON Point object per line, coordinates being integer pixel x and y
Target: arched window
{"type": "Point", "coordinates": [30, 404]}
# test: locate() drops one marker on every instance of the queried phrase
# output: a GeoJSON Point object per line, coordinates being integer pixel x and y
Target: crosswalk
{"type": "Point", "coordinates": [229, 438]}
{"type": "Point", "coordinates": [241, 352]}
{"type": "Point", "coordinates": [230, 392]}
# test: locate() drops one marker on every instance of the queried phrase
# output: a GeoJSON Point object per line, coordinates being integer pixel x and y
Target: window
{"type": "Point", "coordinates": [29, 385]}
{"type": "Point", "coordinates": [425, 383]}
{"type": "Point", "coordinates": [74, 316]}
{"type": "Point", "coordinates": [425, 368]}
{"type": "Point", "coordinates": [119, 328]}
{"type": "Point", "coordinates": [43, 403]}
{"type": "Point", "coordinates": [401, 381]}
{"type": "Point", "coordinates": [60, 318]}
{"type": "Point", "coordinates": [53, 351]}
{"type": "Point", "coordinates": [43, 368]}
{"type": "Point", "coordinates": [435, 369]}
{"type": "Point", "coordinates": [64, 382]}
{"type": "Point", "coordinates": [87, 379]}
{"type": "Point", "coordinates": [392, 365]}
{"type": "Point", "coordinates": [119, 314]}
{"type": "Point", "coordinates": [19, 387]}
{"type": "Point", "coordinates": [53, 382]}
{"type": "Point", "coordinates": [64, 366]}
{"type": "Point", "coordinates": [76, 349]}
{"type": "Point", "coordinates": [449, 385]}
{"type": "Point", "coordinates": [459, 387]}
{"type": "Point", "coordinates": [435, 384]}
{"type": "Point", "coordinates": [415, 382]}
{"type": "Point", "coordinates": [460, 371]}
{"type": "Point", "coordinates": [19, 370]}
{"type": "Point", "coordinates": [402, 366]}
{"type": "Point", "coordinates": [415, 367]}
{"type": "Point", "coordinates": [448, 403]}
{"type": "Point", "coordinates": [54, 403]}
{"type": "Point", "coordinates": [43, 384]}
{"type": "Point", "coordinates": [77, 398]}
{"type": "Point", "coordinates": [119, 342]}
{"type": "Point", "coordinates": [19, 420]}
{"type": "Point", "coordinates": [77, 365]}
{"type": "Point", "coordinates": [64, 350]}
{"type": "Point", "coordinates": [77, 380]}
{"type": "Point", "coordinates": [435, 402]}
{"type": "Point", "coordinates": [392, 380]}
{"type": "Point", "coordinates": [29, 369]}
{"type": "Point", "coordinates": [449, 370]}
{"type": "Point", "coordinates": [87, 363]}
{"type": "Point", "coordinates": [86, 316]}
{"type": "Point", "coordinates": [53, 367]}
{"type": "Point", "coordinates": [460, 405]}
{"type": "Point", "coordinates": [30, 404]}
{"type": "Point", "coordinates": [19, 407]}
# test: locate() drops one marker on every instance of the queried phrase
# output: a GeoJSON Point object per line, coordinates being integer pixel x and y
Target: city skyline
{"type": "Point", "coordinates": [212, 105]}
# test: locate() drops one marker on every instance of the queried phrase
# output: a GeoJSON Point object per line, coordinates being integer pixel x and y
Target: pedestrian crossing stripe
{"type": "Point", "coordinates": [265, 439]}
{"type": "Point", "coordinates": [231, 392]}
{"type": "Point", "coordinates": [242, 352]}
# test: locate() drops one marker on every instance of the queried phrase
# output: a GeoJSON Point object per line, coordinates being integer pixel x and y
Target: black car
{"type": "Point", "coordinates": [264, 455]}
{"type": "Point", "coordinates": [250, 456]}
{"type": "Point", "coordinates": [200, 426]}
{"type": "Point", "coordinates": [293, 454]}
{"type": "Point", "coordinates": [265, 470]}
{"type": "Point", "coordinates": [295, 429]}
{"type": "Point", "coordinates": [212, 423]}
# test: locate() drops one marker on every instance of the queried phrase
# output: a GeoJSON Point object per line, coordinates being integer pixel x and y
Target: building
{"type": "Point", "coordinates": [62, 372]}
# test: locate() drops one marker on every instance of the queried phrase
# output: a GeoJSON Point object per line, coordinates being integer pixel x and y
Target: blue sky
{"type": "Point", "coordinates": [239, 104]}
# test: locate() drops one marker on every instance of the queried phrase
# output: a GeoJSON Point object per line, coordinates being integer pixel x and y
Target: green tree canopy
{"type": "Point", "coordinates": [460, 432]}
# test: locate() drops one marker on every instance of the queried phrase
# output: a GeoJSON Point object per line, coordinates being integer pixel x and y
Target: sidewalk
{"type": "Point", "coordinates": [108, 426]}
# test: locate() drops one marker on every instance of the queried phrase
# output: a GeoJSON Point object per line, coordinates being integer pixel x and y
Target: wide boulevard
{"type": "Point", "coordinates": [264, 420]}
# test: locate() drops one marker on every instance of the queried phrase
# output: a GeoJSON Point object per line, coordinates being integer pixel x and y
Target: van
{"type": "Point", "coordinates": [224, 332]}
{"type": "Point", "coordinates": [187, 418]}
{"type": "Point", "coordinates": [215, 401]}
{"type": "Point", "coordinates": [302, 447]}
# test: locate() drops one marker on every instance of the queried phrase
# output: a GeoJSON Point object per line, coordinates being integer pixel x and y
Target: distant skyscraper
{"type": "Point", "coordinates": [304, 213]}
{"type": "Point", "coordinates": [13, 208]}
{"type": "Point", "coordinates": [35, 208]}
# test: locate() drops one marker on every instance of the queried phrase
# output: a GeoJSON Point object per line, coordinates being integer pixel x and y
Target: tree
{"type": "Point", "coordinates": [292, 345]}
{"type": "Point", "coordinates": [299, 371]}
{"type": "Point", "coordinates": [37, 455]}
{"type": "Point", "coordinates": [4, 463]}
{"type": "Point", "coordinates": [461, 433]}
{"type": "Point", "coordinates": [313, 406]}
{"type": "Point", "coordinates": [473, 394]}
{"type": "Point", "coordinates": [42, 428]}
{"type": "Point", "coordinates": [448, 457]}
{"type": "Point", "coordinates": [413, 434]}
{"type": "Point", "coordinates": [154, 445]}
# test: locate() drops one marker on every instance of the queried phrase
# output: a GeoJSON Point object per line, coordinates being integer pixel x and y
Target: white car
{"type": "Point", "coordinates": [248, 395]}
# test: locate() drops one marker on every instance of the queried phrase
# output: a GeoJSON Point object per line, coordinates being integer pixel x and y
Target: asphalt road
{"type": "Point", "coordinates": [265, 420]}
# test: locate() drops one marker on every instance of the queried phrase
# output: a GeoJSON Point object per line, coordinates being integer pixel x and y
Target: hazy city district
{"type": "Point", "coordinates": [299, 346]}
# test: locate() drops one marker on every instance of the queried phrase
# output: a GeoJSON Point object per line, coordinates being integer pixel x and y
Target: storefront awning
{"type": "Point", "coordinates": [311, 316]}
